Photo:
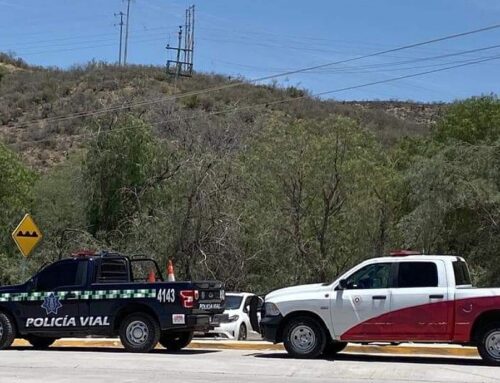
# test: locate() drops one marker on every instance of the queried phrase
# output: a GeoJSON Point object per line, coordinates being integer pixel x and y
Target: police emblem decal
{"type": "Point", "coordinates": [51, 304]}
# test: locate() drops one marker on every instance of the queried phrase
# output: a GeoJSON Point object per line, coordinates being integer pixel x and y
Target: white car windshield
{"type": "Point", "coordinates": [233, 302]}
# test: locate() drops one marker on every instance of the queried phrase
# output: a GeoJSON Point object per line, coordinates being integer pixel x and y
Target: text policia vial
{"type": "Point", "coordinates": [67, 321]}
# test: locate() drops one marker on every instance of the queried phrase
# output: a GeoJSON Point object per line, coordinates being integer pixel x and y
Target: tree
{"type": "Point", "coordinates": [60, 210]}
{"type": "Point", "coordinates": [314, 201]}
{"type": "Point", "coordinates": [16, 182]}
{"type": "Point", "coordinates": [472, 120]}
{"type": "Point", "coordinates": [122, 164]}
{"type": "Point", "coordinates": [451, 189]}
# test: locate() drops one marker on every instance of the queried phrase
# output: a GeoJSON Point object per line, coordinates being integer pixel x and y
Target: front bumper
{"type": "Point", "coordinates": [269, 327]}
{"type": "Point", "coordinates": [227, 329]}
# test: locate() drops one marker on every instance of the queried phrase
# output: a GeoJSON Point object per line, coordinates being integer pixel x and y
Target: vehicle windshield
{"type": "Point", "coordinates": [233, 302]}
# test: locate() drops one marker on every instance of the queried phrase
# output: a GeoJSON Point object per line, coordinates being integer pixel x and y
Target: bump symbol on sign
{"type": "Point", "coordinates": [27, 235]}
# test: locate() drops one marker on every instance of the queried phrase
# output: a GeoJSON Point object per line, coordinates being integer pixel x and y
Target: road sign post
{"type": "Point", "coordinates": [27, 235]}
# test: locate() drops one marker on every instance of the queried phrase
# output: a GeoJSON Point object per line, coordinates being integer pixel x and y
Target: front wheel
{"type": "Point", "coordinates": [40, 343]}
{"type": "Point", "coordinates": [489, 344]}
{"type": "Point", "coordinates": [7, 331]}
{"type": "Point", "coordinates": [139, 333]}
{"type": "Point", "coordinates": [304, 338]}
{"type": "Point", "coordinates": [175, 341]}
{"type": "Point", "coordinates": [242, 333]}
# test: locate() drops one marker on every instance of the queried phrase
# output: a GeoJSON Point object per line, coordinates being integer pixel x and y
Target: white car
{"type": "Point", "coordinates": [239, 324]}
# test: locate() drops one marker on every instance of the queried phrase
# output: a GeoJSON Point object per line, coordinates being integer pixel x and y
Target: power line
{"type": "Point", "coordinates": [63, 46]}
{"type": "Point", "coordinates": [292, 99]}
{"type": "Point", "coordinates": [88, 47]}
{"type": "Point", "coordinates": [352, 87]}
{"type": "Point", "coordinates": [39, 43]}
{"type": "Point", "coordinates": [429, 58]}
{"type": "Point", "coordinates": [407, 76]}
{"type": "Point", "coordinates": [347, 69]}
{"type": "Point", "coordinates": [380, 53]}
{"type": "Point", "coordinates": [256, 80]}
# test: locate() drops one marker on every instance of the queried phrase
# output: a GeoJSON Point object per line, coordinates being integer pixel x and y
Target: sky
{"type": "Point", "coordinates": [257, 38]}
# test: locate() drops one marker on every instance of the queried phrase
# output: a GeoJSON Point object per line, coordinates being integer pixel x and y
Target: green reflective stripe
{"type": "Point", "coordinates": [82, 295]}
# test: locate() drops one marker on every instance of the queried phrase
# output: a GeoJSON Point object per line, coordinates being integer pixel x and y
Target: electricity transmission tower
{"type": "Point", "coordinates": [182, 65]}
{"type": "Point", "coordinates": [121, 14]}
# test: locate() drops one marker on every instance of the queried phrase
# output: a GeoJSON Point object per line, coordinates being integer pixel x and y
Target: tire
{"type": "Point", "coordinates": [243, 333]}
{"type": "Point", "coordinates": [139, 333]}
{"type": "Point", "coordinates": [7, 331]}
{"type": "Point", "coordinates": [175, 341]}
{"type": "Point", "coordinates": [334, 347]}
{"type": "Point", "coordinates": [304, 338]}
{"type": "Point", "coordinates": [40, 343]}
{"type": "Point", "coordinates": [489, 344]}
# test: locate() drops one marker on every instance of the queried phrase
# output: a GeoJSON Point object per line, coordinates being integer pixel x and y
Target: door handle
{"type": "Point", "coordinates": [71, 296]}
{"type": "Point", "coordinates": [379, 297]}
{"type": "Point", "coordinates": [437, 296]}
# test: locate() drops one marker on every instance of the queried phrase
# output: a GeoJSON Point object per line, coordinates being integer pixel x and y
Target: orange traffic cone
{"type": "Point", "coordinates": [170, 272]}
{"type": "Point", "coordinates": [151, 277]}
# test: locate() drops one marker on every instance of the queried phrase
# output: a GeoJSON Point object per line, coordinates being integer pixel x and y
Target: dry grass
{"type": "Point", "coordinates": [30, 94]}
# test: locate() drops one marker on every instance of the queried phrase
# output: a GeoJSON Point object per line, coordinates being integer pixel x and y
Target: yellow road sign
{"type": "Point", "coordinates": [27, 235]}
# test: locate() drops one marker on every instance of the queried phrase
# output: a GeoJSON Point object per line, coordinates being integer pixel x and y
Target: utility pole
{"type": "Point", "coordinates": [179, 64]}
{"type": "Point", "coordinates": [186, 40]}
{"type": "Point", "coordinates": [185, 48]}
{"type": "Point", "coordinates": [191, 38]}
{"type": "Point", "coordinates": [126, 33]}
{"type": "Point", "coordinates": [121, 14]}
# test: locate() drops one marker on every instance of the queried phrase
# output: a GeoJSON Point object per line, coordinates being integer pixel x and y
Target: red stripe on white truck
{"type": "Point", "coordinates": [448, 321]}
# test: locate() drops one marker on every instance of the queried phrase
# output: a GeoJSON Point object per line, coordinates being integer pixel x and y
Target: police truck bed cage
{"type": "Point", "coordinates": [115, 267]}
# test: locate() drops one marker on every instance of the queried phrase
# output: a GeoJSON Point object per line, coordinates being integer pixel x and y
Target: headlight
{"type": "Point", "coordinates": [271, 310]}
{"type": "Point", "coordinates": [233, 318]}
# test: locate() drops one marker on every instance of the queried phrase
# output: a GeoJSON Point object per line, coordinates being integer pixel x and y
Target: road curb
{"type": "Point", "coordinates": [434, 350]}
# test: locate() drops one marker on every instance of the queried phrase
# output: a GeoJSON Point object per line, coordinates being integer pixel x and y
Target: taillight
{"type": "Point", "coordinates": [188, 297]}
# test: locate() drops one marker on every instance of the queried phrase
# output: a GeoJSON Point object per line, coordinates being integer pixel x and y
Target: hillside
{"type": "Point", "coordinates": [33, 100]}
{"type": "Point", "coordinates": [258, 186]}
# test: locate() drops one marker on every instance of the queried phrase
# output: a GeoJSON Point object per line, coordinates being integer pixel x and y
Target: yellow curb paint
{"type": "Point", "coordinates": [408, 350]}
{"type": "Point", "coordinates": [369, 349]}
{"type": "Point", "coordinates": [236, 346]}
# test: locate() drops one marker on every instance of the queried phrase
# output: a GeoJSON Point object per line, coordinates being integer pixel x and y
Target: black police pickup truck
{"type": "Point", "coordinates": [107, 294]}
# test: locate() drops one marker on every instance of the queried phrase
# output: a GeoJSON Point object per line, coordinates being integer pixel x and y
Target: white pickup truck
{"type": "Point", "coordinates": [401, 298]}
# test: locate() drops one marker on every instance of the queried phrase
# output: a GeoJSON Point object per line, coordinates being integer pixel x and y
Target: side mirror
{"type": "Point", "coordinates": [342, 284]}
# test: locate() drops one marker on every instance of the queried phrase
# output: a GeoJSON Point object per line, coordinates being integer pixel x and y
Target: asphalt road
{"type": "Point", "coordinates": [80, 365]}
